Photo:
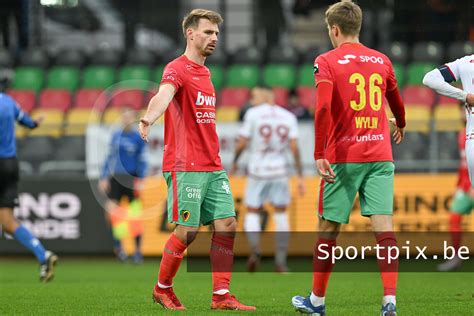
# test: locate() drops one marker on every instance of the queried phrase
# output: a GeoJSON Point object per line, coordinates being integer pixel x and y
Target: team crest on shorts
{"type": "Point", "coordinates": [185, 215]}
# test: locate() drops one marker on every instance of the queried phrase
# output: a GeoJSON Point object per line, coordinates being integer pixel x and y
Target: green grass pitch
{"type": "Point", "coordinates": [103, 286]}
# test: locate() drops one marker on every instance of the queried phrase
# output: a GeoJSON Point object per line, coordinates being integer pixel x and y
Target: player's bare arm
{"type": "Point", "coordinates": [398, 109]}
{"type": "Point", "coordinates": [299, 169]}
{"type": "Point", "coordinates": [242, 143]}
{"type": "Point", "coordinates": [157, 106]}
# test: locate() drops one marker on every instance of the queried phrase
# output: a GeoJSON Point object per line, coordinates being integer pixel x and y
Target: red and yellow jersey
{"type": "Point", "coordinates": [463, 173]}
{"type": "Point", "coordinates": [358, 130]}
{"type": "Point", "coordinates": [191, 142]}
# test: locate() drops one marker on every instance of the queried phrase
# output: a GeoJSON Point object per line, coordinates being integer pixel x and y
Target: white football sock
{"type": "Point", "coordinates": [316, 300]}
{"type": "Point", "coordinates": [253, 228]}
{"type": "Point", "coordinates": [221, 292]}
{"type": "Point", "coordinates": [282, 237]}
{"type": "Point", "coordinates": [389, 299]}
{"type": "Point", "coordinates": [162, 286]}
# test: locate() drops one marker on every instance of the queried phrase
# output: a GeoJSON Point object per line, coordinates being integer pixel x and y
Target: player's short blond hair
{"type": "Point", "coordinates": [347, 15]}
{"type": "Point", "coordinates": [193, 17]}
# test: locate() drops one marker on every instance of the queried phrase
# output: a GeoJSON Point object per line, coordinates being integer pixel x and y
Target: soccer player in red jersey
{"type": "Point", "coordinates": [353, 151]}
{"type": "Point", "coordinates": [198, 187]}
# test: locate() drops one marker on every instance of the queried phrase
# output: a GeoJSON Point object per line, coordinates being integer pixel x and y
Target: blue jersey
{"type": "Point", "coordinates": [10, 113]}
{"type": "Point", "coordinates": [126, 155]}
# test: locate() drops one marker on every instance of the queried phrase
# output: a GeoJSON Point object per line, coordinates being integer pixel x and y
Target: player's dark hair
{"type": "Point", "coordinates": [191, 20]}
{"type": "Point", "coordinates": [6, 79]}
{"type": "Point", "coordinates": [346, 15]}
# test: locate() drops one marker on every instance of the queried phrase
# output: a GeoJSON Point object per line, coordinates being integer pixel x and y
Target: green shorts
{"type": "Point", "coordinates": [196, 198]}
{"type": "Point", "coordinates": [372, 180]}
{"type": "Point", "coordinates": [462, 203]}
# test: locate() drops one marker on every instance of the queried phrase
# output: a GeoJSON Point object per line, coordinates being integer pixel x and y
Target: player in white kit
{"type": "Point", "coordinates": [269, 132]}
{"type": "Point", "coordinates": [439, 79]}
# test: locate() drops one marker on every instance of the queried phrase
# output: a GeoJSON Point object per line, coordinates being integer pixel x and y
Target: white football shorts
{"type": "Point", "coordinates": [275, 191]}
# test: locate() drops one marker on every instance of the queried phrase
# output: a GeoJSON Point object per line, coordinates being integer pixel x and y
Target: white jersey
{"type": "Point", "coordinates": [269, 129]}
{"type": "Point", "coordinates": [463, 69]}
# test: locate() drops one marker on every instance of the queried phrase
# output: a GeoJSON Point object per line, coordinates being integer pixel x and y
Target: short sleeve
{"type": "Point", "coordinates": [391, 78]}
{"type": "Point", "coordinates": [172, 75]}
{"type": "Point", "coordinates": [293, 128]}
{"type": "Point", "coordinates": [321, 70]}
{"type": "Point", "coordinates": [246, 129]}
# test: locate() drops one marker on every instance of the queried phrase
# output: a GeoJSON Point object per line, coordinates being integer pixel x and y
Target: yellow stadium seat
{"type": "Point", "coordinates": [78, 119]}
{"type": "Point", "coordinates": [51, 125]}
{"type": "Point", "coordinates": [227, 114]}
{"type": "Point", "coordinates": [448, 118]}
{"type": "Point", "coordinates": [418, 119]}
{"type": "Point", "coordinates": [112, 116]}
{"type": "Point", "coordinates": [21, 131]}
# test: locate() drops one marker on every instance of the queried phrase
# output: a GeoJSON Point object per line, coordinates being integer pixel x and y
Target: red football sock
{"type": "Point", "coordinates": [455, 220]}
{"type": "Point", "coordinates": [172, 257]}
{"type": "Point", "coordinates": [322, 268]}
{"type": "Point", "coordinates": [222, 259]}
{"type": "Point", "coordinates": [388, 271]}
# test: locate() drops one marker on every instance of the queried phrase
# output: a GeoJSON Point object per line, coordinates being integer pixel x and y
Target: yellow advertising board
{"type": "Point", "coordinates": [421, 203]}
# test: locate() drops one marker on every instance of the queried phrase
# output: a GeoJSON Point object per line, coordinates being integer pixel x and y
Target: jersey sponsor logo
{"type": "Point", "coordinates": [226, 187]}
{"type": "Point", "coordinates": [170, 74]}
{"type": "Point", "coordinates": [366, 122]}
{"type": "Point", "coordinates": [185, 215]}
{"type": "Point", "coordinates": [192, 193]}
{"type": "Point", "coordinates": [315, 68]}
{"type": "Point", "coordinates": [371, 59]}
{"type": "Point", "coordinates": [207, 100]}
{"type": "Point", "coordinates": [346, 60]}
{"type": "Point", "coordinates": [205, 117]}
{"type": "Point", "coordinates": [361, 139]}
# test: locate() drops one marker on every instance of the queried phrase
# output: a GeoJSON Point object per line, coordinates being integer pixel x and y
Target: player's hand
{"type": "Point", "coordinates": [301, 186]}
{"type": "Point", "coordinates": [399, 132]}
{"type": "Point", "coordinates": [325, 170]}
{"type": "Point", "coordinates": [104, 185]}
{"type": "Point", "coordinates": [144, 127]}
{"type": "Point", "coordinates": [233, 169]}
{"type": "Point", "coordinates": [39, 120]}
{"type": "Point", "coordinates": [470, 99]}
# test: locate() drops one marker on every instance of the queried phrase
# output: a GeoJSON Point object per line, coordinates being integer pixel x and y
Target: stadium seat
{"type": "Point", "coordinates": [416, 72]}
{"type": "Point", "coordinates": [37, 149]}
{"type": "Point", "coordinates": [72, 148]}
{"type": "Point", "coordinates": [63, 78]}
{"type": "Point", "coordinates": [460, 49]}
{"type": "Point", "coordinates": [310, 53]}
{"type": "Point", "coordinates": [91, 98]}
{"type": "Point", "coordinates": [233, 97]}
{"type": "Point", "coordinates": [219, 57]}
{"type": "Point", "coordinates": [248, 55]}
{"type": "Point", "coordinates": [140, 57]}
{"type": "Point", "coordinates": [112, 116]}
{"type": "Point", "coordinates": [227, 115]}
{"type": "Point", "coordinates": [415, 147]}
{"type": "Point", "coordinates": [98, 77]}
{"type": "Point", "coordinates": [34, 57]}
{"type": "Point", "coordinates": [447, 101]}
{"type": "Point", "coordinates": [282, 55]}
{"type": "Point", "coordinates": [306, 75]}
{"type": "Point", "coordinates": [6, 59]}
{"type": "Point", "coordinates": [55, 99]}
{"type": "Point", "coordinates": [134, 99]}
{"type": "Point", "coordinates": [396, 51]}
{"type": "Point", "coordinates": [217, 76]}
{"type": "Point", "coordinates": [28, 78]}
{"type": "Point", "coordinates": [448, 118]}
{"type": "Point", "coordinates": [69, 58]}
{"type": "Point", "coordinates": [281, 96]}
{"type": "Point", "coordinates": [307, 96]}
{"type": "Point", "coordinates": [106, 57]}
{"type": "Point", "coordinates": [243, 76]}
{"type": "Point", "coordinates": [52, 122]}
{"type": "Point", "coordinates": [418, 119]}
{"type": "Point", "coordinates": [78, 119]}
{"type": "Point", "coordinates": [137, 77]}
{"type": "Point", "coordinates": [418, 96]}
{"type": "Point", "coordinates": [26, 99]}
{"type": "Point", "coordinates": [448, 145]}
{"type": "Point", "coordinates": [157, 74]}
{"type": "Point", "coordinates": [428, 52]}
{"type": "Point", "coordinates": [399, 70]}
{"type": "Point", "coordinates": [279, 75]}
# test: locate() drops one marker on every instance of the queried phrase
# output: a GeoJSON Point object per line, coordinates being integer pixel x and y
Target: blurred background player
{"type": "Point", "coordinates": [198, 187]}
{"type": "Point", "coordinates": [10, 112]}
{"type": "Point", "coordinates": [269, 131]}
{"type": "Point", "coordinates": [439, 79]}
{"type": "Point", "coordinates": [353, 151]}
{"type": "Point", "coordinates": [122, 174]}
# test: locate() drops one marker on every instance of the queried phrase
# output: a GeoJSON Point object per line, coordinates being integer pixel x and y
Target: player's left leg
{"type": "Point", "coordinates": [218, 209]}
{"type": "Point", "coordinates": [280, 197]}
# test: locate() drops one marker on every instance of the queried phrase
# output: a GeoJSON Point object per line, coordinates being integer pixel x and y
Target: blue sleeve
{"type": "Point", "coordinates": [447, 74]}
{"type": "Point", "coordinates": [105, 168]}
{"type": "Point", "coordinates": [142, 165]}
{"type": "Point", "coordinates": [23, 118]}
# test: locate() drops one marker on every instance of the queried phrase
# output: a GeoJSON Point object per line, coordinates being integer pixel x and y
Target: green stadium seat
{"type": "Point", "coordinates": [306, 75]}
{"type": "Point", "coordinates": [399, 74]}
{"type": "Point", "coordinates": [279, 75]}
{"type": "Point", "coordinates": [243, 75]}
{"type": "Point", "coordinates": [416, 72]}
{"type": "Point", "coordinates": [136, 77]}
{"type": "Point", "coordinates": [217, 76]}
{"type": "Point", "coordinates": [28, 78]}
{"type": "Point", "coordinates": [98, 77]}
{"type": "Point", "coordinates": [157, 74]}
{"type": "Point", "coordinates": [65, 78]}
